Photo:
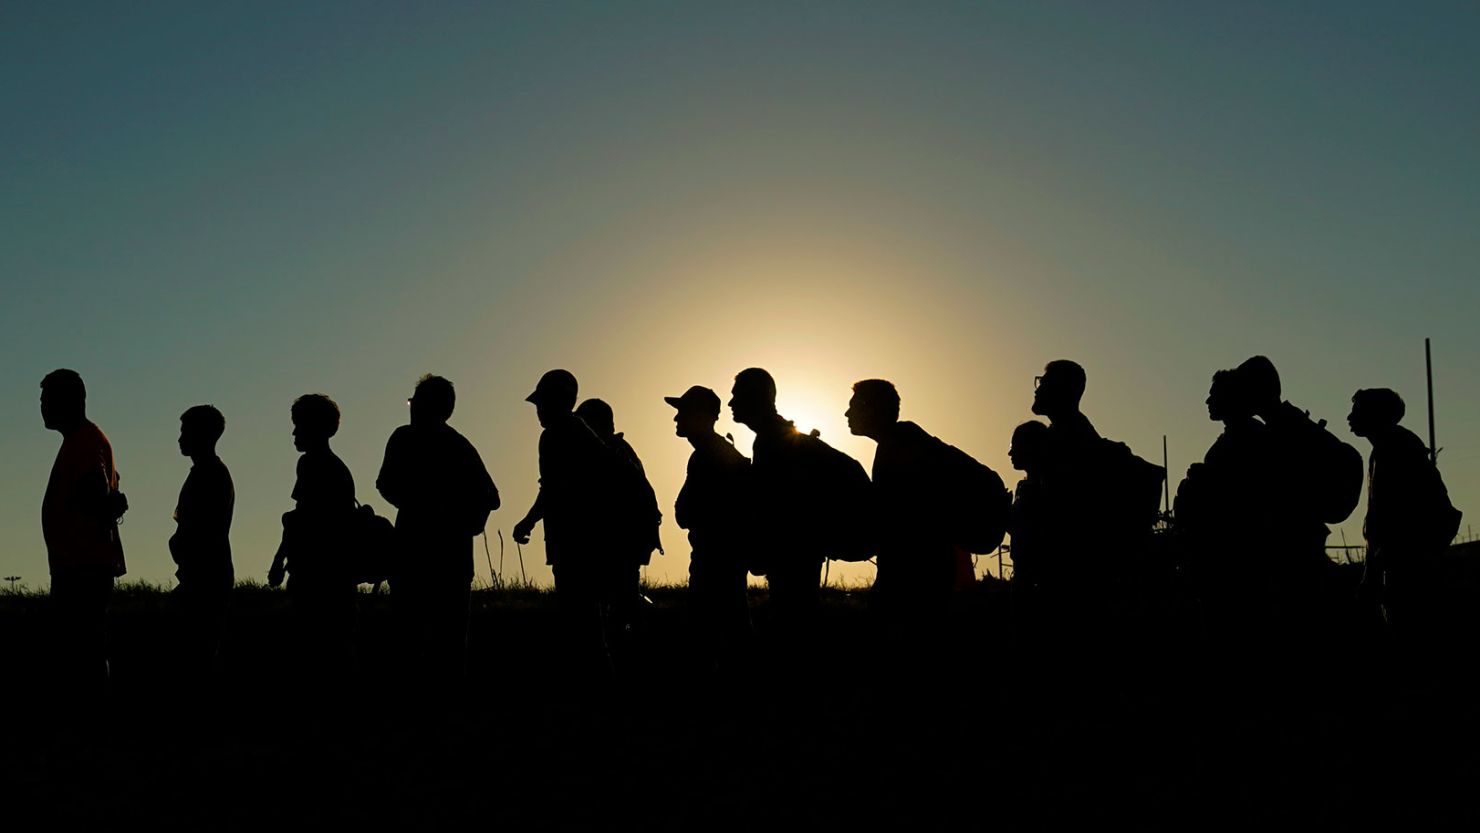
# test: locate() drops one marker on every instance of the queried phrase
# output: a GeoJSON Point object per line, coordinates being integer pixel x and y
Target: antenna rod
{"type": "Point", "coordinates": [1167, 479]}
{"type": "Point", "coordinates": [1428, 361]}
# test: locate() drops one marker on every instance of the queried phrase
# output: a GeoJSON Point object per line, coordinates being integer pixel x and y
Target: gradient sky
{"type": "Point", "coordinates": [240, 203]}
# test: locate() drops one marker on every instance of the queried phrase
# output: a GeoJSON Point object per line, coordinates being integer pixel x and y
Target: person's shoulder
{"type": "Point", "coordinates": [90, 436]}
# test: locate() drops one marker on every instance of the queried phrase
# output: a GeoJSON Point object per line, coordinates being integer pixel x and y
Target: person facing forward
{"type": "Point", "coordinates": [201, 545]}
{"type": "Point", "coordinates": [79, 522]}
{"type": "Point", "coordinates": [712, 507]}
{"type": "Point", "coordinates": [572, 470]}
{"type": "Point", "coordinates": [443, 496]}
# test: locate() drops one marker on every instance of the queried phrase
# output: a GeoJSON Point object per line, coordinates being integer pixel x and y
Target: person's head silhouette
{"type": "Point", "coordinates": [697, 412]}
{"type": "Point", "coordinates": [433, 400]}
{"type": "Point", "coordinates": [753, 398]}
{"type": "Point", "coordinates": [315, 420]}
{"type": "Point", "coordinates": [1374, 411]}
{"type": "Point", "coordinates": [598, 417]}
{"type": "Point", "coordinates": [201, 428]}
{"type": "Point", "coordinates": [1228, 399]}
{"type": "Point", "coordinates": [873, 409]}
{"type": "Point", "coordinates": [1057, 392]}
{"type": "Point", "coordinates": [1029, 446]}
{"type": "Point", "coordinates": [554, 396]}
{"type": "Point", "coordinates": [63, 400]}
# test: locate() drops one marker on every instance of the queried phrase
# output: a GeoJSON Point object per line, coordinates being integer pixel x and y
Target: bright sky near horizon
{"type": "Point", "coordinates": [240, 203]}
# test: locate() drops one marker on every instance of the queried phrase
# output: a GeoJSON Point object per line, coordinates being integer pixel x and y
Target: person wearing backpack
{"type": "Point", "coordinates": [809, 501]}
{"type": "Point", "coordinates": [632, 524]}
{"type": "Point", "coordinates": [1409, 522]}
{"type": "Point", "coordinates": [316, 551]}
{"type": "Point", "coordinates": [79, 522]}
{"type": "Point", "coordinates": [574, 473]}
{"type": "Point", "coordinates": [443, 496]}
{"type": "Point", "coordinates": [920, 485]}
{"type": "Point", "coordinates": [712, 507]}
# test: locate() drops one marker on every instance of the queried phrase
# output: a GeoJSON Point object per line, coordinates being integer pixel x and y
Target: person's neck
{"type": "Point", "coordinates": [207, 456]}
{"type": "Point", "coordinates": [320, 447]}
{"type": "Point", "coordinates": [703, 438]}
{"type": "Point", "coordinates": [71, 426]}
{"type": "Point", "coordinates": [883, 431]}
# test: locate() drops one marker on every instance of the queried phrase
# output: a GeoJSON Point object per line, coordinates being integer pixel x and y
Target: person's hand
{"type": "Point", "coordinates": [275, 575]}
{"type": "Point", "coordinates": [522, 531]}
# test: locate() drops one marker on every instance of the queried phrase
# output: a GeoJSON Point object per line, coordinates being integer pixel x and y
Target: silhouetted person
{"type": "Point", "coordinates": [1317, 480]}
{"type": "Point", "coordinates": [712, 506]}
{"type": "Point", "coordinates": [1103, 501]}
{"type": "Point", "coordinates": [573, 469]}
{"type": "Point", "coordinates": [917, 554]}
{"type": "Point", "coordinates": [316, 551]}
{"type": "Point", "coordinates": [1224, 514]}
{"type": "Point", "coordinates": [788, 550]}
{"type": "Point", "coordinates": [631, 526]}
{"type": "Point", "coordinates": [1104, 496]}
{"type": "Point", "coordinates": [201, 545]}
{"type": "Point", "coordinates": [79, 521]}
{"type": "Point", "coordinates": [1410, 519]}
{"type": "Point", "coordinates": [1032, 526]}
{"type": "Point", "coordinates": [443, 496]}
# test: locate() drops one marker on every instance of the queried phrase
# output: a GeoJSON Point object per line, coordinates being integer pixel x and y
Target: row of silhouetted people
{"type": "Point", "coordinates": [1080, 519]}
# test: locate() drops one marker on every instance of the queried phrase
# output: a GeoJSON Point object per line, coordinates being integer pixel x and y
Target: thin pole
{"type": "Point", "coordinates": [1428, 361]}
{"type": "Point", "coordinates": [1167, 480]}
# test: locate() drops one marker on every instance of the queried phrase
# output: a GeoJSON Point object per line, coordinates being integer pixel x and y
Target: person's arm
{"type": "Point", "coordinates": [525, 526]}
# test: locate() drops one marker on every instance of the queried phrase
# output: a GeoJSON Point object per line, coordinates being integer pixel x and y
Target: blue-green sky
{"type": "Point", "coordinates": [240, 203]}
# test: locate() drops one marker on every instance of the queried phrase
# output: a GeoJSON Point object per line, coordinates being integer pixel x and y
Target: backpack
{"type": "Point", "coordinates": [1330, 471]}
{"type": "Point", "coordinates": [843, 497]}
{"type": "Point", "coordinates": [978, 504]}
{"type": "Point", "coordinates": [1132, 489]}
{"type": "Point", "coordinates": [372, 544]}
{"type": "Point", "coordinates": [631, 505]}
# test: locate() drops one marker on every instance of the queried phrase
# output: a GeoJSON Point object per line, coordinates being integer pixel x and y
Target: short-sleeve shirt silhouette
{"type": "Point", "coordinates": [78, 534]}
{"type": "Point", "coordinates": [441, 490]}
{"type": "Point", "coordinates": [201, 545]}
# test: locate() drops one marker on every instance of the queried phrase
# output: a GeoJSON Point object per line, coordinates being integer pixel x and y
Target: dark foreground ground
{"type": "Point", "coordinates": [1150, 729]}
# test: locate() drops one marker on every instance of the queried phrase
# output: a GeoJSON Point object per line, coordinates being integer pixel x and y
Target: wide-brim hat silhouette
{"type": "Point", "coordinates": [556, 384]}
{"type": "Point", "coordinates": [698, 399]}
